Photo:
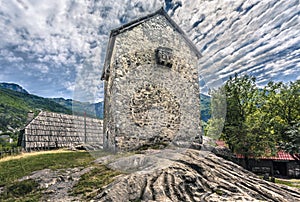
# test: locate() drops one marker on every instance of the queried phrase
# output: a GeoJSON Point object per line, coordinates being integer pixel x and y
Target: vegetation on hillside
{"type": "Point", "coordinates": [16, 102]}
{"type": "Point", "coordinates": [259, 121]}
{"type": "Point", "coordinates": [14, 107]}
{"type": "Point", "coordinates": [14, 87]}
{"type": "Point", "coordinates": [205, 107]}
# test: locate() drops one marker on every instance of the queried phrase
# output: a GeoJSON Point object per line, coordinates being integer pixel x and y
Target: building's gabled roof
{"type": "Point", "coordinates": [280, 155]}
{"type": "Point", "coordinates": [135, 23]}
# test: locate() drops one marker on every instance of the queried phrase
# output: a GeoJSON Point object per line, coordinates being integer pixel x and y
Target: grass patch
{"type": "Point", "coordinates": [26, 190]}
{"type": "Point", "coordinates": [288, 183]}
{"type": "Point", "coordinates": [91, 183]}
{"type": "Point", "coordinates": [16, 168]}
{"type": "Point", "coordinates": [219, 192]}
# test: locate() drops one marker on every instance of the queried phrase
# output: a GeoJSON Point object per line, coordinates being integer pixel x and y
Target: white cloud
{"type": "Point", "coordinates": [66, 40]}
{"type": "Point", "coordinates": [242, 40]}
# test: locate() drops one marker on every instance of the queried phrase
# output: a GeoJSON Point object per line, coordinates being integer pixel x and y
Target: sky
{"type": "Point", "coordinates": [57, 48]}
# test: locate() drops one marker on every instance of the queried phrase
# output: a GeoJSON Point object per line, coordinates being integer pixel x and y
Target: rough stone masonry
{"type": "Point", "coordinates": [151, 85]}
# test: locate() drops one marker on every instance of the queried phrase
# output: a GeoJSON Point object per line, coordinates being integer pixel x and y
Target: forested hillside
{"type": "Point", "coordinates": [14, 107]}
{"type": "Point", "coordinates": [205, 107]}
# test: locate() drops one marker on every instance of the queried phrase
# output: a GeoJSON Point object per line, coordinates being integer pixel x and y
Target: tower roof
{"type": "Point", "coordinates": [134, 23]}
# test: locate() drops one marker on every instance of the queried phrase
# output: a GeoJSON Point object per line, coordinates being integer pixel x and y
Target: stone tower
{"type": "Point", "coordinates": [151, 85]}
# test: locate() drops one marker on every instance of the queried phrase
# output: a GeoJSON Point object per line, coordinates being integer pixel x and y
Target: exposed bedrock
{"type": "Point", "coordinates": [189, 175]}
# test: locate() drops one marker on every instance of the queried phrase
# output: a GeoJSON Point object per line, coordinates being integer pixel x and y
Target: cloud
{"type": "Point", "coordinates": [44, 36]}
{"type": "Point", "coordinates": [57, 48]}
{"type": "Point", "coordinates": [247, 37]}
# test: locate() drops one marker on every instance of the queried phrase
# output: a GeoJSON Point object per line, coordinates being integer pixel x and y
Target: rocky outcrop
{"type": "Point", "coordinates": [188, 175]}
{"type": "Point", "coordinates": [166, 175]}
{"type": "Point", "coordinates": [56, 185]}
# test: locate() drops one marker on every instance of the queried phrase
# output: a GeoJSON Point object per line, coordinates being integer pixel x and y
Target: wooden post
{"type": "Point", "coordinates": [85, 138]}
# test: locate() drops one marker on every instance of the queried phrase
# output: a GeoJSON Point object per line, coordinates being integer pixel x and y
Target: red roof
{"type": "Point", "coordinates": [220, 143]}
{"type": "Point", "coordinates": [281, 155]}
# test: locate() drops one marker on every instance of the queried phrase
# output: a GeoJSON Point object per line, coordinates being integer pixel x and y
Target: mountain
{"type": "Point", "coordinates": [15, 105]}
{"type": "Point", "coordinates": [205, 107]}
{"type": "Point", "coordinates": [80, 108]}
{"type": "Point", "coordinates": [14, 87]}
{"type": "Point", "coordinates": [16, 102]}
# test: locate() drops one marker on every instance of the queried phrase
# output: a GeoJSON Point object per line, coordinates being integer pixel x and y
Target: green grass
{"type": "Point", "coordinates": [91, 183]}
{"type": "Point", "coordinates": [14, 169]}
{"type": "Point", "coordinates": [288, 183]}
{"type": "Point", "coordinates": [88, 186]}
{"type": "Point", "coordinates": [26, 190]}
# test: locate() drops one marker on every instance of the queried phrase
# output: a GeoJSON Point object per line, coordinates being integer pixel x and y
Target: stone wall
{"type": "Point", "coordinates": [152, 93]}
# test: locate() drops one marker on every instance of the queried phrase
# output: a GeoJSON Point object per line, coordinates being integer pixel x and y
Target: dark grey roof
{"type": "Point", "coordinates": [134, 23]}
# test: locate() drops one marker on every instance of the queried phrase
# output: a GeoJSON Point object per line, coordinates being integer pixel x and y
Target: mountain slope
{"type": "Point", "coordinates": [14, 107]}
{"type": "Point", "coordinates": [14, 87]}
{"type": "Point", "coordinates": [16, 102]}
{"type": "Point", "coordinates": [81, 108]}
{"type": "Point", "coordinates": [205, 107]}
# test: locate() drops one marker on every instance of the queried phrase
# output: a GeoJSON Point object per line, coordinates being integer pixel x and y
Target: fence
{"type": "Point", "coordinates": [10, 152]}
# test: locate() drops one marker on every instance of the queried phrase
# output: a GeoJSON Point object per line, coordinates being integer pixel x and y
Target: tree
{"type": "Point", "coordinates": [282, 106]}
{"type": "Point", "coordinates": [218, 112]}
{"type": "Point", "coordinates": [291, 142]}
{"type": "Point", "coordinates": [244, 131]}
{"type": "Point", "coordinates": [258, 122]}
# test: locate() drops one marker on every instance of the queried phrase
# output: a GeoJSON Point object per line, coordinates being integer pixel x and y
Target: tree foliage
{"type": "Point", "coordinates": [259, 121]}
{"type": "Point", "coordinates": [243, 130]}
{"type": "Point", "coordinates": [291, 140]}
{"type": "Point", "coordinates": [215, 124]}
